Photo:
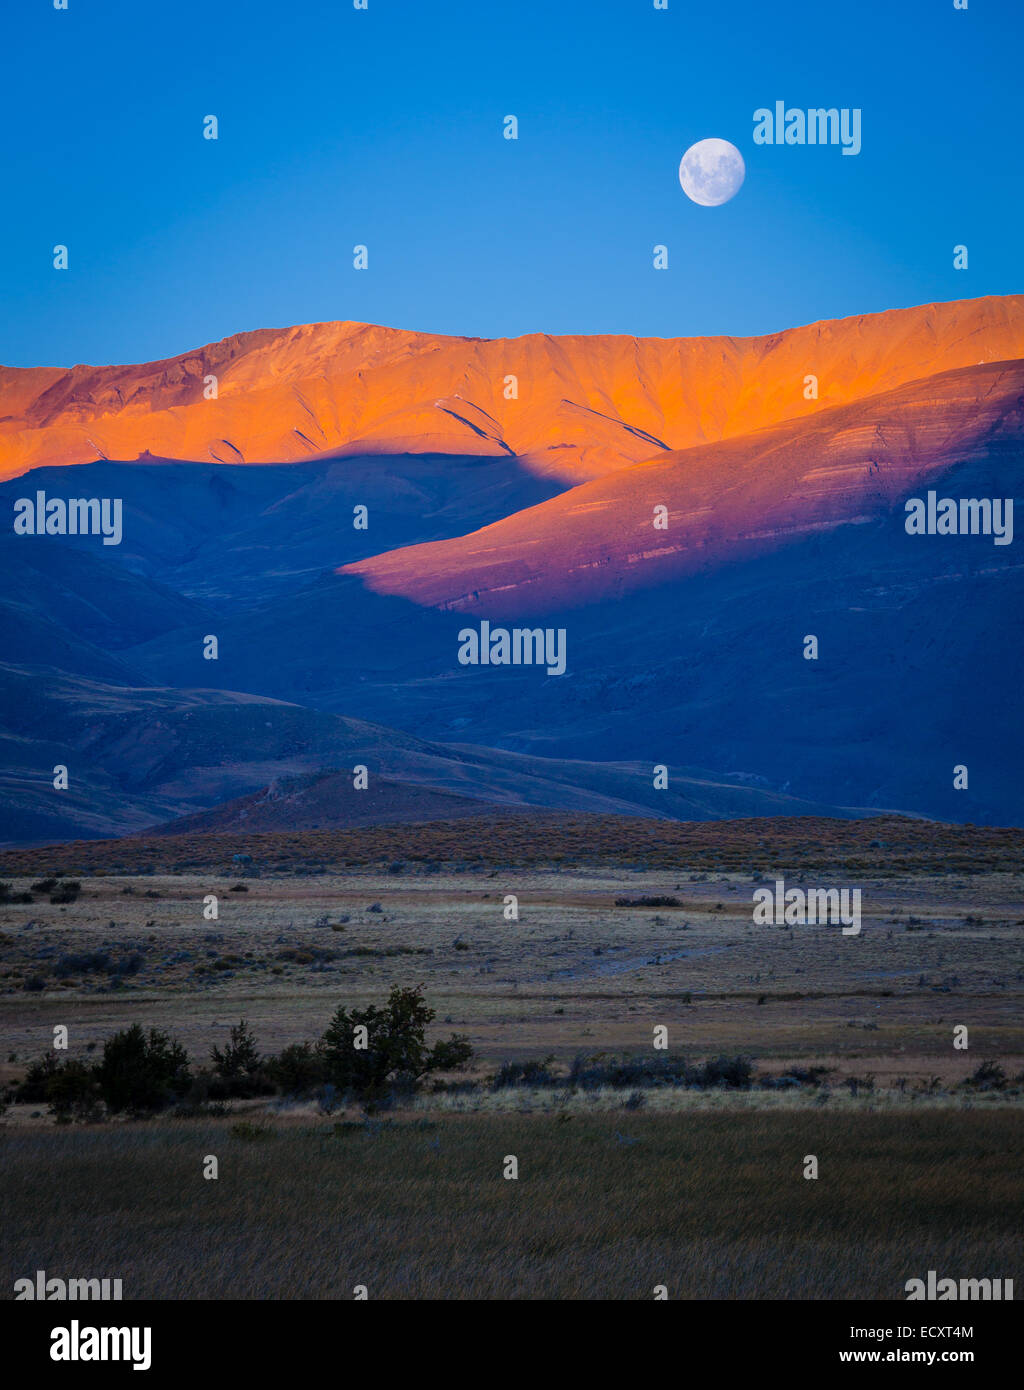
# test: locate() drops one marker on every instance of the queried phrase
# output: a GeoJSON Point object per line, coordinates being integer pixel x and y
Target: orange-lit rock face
{"type": "Point", "coordinates": [580, 407]}
{"type": "Point", "coordinates": [726, 501]}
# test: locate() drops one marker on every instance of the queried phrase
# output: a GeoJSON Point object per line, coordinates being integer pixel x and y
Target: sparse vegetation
{"type": "Point", "coordinates": [525, 1074]}
{"type": "Point", "coordinates": [8, 895]}
{"type": "Point", "coordinates": [989, 1076]}
{"type": "Point", "coordinates": [642, 1072]}
{"type": "Point", "coordinates": [756, 844]}
{"type": "Point", "coordinates": [841, 1033]}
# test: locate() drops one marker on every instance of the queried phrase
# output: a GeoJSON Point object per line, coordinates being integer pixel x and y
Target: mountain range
{"type": "Point", "coordinates": [688, 512]}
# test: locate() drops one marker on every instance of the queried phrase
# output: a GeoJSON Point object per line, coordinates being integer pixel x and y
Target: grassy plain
{"type": "Point", "coordinates": [702, 1191]}
{"type": "Point", "coordinates": [712, 1205]}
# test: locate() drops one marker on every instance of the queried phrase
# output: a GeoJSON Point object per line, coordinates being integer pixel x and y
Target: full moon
{"type": "Point", "coordinates": [711, 172]}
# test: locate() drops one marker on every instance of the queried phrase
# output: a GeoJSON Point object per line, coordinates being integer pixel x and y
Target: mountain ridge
{"type": "Point", "coordinates": [583, 405]}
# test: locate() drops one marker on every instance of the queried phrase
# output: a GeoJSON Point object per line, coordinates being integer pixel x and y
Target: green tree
{"type": "Point", "coordinates": [396, 1051]}
{"type": "Point", "coordinates": [74, 1092]}
{"type": "Point", "coordinates": [240, 1057]}
{"type": "Point", "coordinates": [140, 1072]}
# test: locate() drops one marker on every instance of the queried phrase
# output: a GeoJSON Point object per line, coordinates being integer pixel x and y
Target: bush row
{"type": "Point", "coordinates": [363, 1054]}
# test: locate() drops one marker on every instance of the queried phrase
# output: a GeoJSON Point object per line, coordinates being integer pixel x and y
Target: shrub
{"type": "Point", "coordinates": [648, 902]}
{"type": "Point", "coordinates": [130, 964]}
{"type": "Point", "coordinates": [69, 1087]}
{"type": "Point", "coordinates": [92, 962]}
{"type": "Point", "coordinates": [245, 1129]}
{"type": "Point", "coordinates": [81, 963]}
{"type": "Point", "coordinates": [66, 892]}
{"type": "Point", "coordinates": [732, 1072]}
{"type": "Point", "coordinates": [297, 1070]}
{"type": "Point", "coordinates": [989, 1076]}
{"type": "Point", "coordinates": [645, 1072]}
{"type": "Point", "coordinates": [524, 1074]}
{"type": "Point", "coordinates": [142, 1073]}
{"type": "Point", "coordinates": [37, 1078]}
{"type": "Point", "coordinates": [73, 1092]}
{"type": "Point", "coordinates": [396, 1052]}
{"type": "Point", "coordinates": [7, 896]}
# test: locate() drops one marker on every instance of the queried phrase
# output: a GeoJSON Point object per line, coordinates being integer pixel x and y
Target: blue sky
{"type": "Point", "coordinates": [384, 128]}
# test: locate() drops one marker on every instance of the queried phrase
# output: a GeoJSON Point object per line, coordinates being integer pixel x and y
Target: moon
{"type": "Point", "coordinates": [711, 172]}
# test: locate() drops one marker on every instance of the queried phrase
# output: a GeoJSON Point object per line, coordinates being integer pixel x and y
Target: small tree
{"type": "Point", "coordinates": [35, 1086]}
{"type": "Point", "coordinates": [239, 1070]}
{"type": "Point", "coordinates": [396, 1051]}
{"type": "Point", "coordinates": [74, 1092]}
{"type": "Point", "coordinates": [140, 1073]}
{"type": "Point", "coordinates": [240, 1058]}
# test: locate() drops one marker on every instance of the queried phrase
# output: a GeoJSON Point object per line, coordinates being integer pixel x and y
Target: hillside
{"type": "Point", "coordinates": [579, 407]}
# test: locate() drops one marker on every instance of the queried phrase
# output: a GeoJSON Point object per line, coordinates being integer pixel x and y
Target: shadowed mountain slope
{"type": "Point", "coordinates": [137, 756]}
{"type": "Point", "coordinates": [223, 533]}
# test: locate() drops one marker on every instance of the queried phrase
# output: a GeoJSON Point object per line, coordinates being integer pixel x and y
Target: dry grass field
{"type": "Point", "coordinates": [700, 1190]}
{"type": "Point", "coordinates": [710, 1205]}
